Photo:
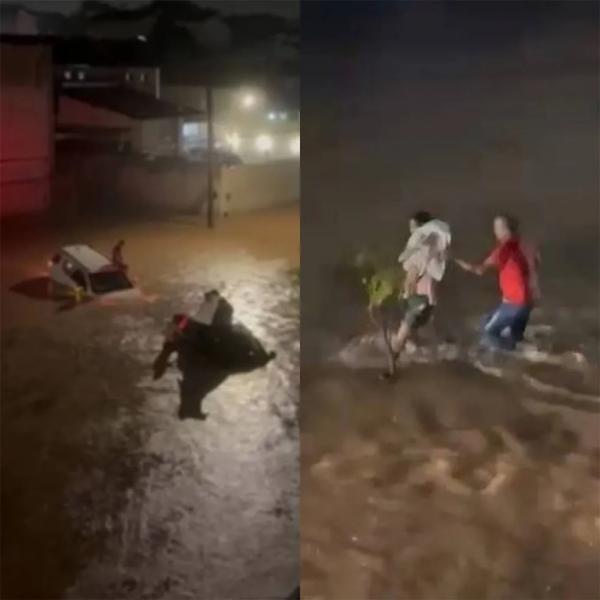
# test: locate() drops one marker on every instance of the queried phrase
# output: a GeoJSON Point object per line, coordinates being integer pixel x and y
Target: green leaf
{"type": "Point", "coordinates": [382, 284]}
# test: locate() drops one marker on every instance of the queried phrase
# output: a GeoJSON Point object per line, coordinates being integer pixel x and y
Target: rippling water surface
{"type": "Point", "coordinates": [130, 501]}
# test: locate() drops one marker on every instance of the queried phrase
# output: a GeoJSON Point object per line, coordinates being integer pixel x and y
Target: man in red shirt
{"type": "Point", "coordinates": [505, 326]}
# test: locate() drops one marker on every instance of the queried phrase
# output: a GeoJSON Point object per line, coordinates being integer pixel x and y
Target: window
{"type": "Point", "coordinates": [143, 77]}
{"type": "Point", "coordinates": [81, 75]}
{"type": "Point", "coordinates": [79, 279]}
{"type": "Point", "coordinates": [104, 282]}
{"type": "Point", "coordinates": [67, 75]}
{"type": "Point", "coordinates": [191, 129]}
{"type": "Point", "coordinates": [128, 76]}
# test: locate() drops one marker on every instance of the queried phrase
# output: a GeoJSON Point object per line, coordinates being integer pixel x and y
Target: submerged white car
{"type": "Point", "coordinates": [81, 269]}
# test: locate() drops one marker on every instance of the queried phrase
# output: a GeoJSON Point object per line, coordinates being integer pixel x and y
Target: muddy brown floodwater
{"type": "Point", "coordinates": [461, 480]}
{"type": "Point", "coordinates": [448, 484]}
{"type": "Point", "coordinates": [105, 492]}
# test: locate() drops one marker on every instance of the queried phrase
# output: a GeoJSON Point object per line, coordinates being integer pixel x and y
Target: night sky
{"type": "Point", "coordinates": [284, 8]}
{"type": "Point", "coordinates": [427, 25]}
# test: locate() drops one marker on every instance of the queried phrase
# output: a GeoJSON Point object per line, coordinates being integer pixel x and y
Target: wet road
{"type": "Point", "coordinates": [143, 504]}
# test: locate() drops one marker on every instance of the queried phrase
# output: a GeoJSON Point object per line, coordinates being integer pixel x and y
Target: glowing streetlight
{"type": "Point", "coordinates": [264, 143]}
{"type": "Point", "coordinates": [272, 116]}
{"type": "Point", "coordinates": [248, 101]}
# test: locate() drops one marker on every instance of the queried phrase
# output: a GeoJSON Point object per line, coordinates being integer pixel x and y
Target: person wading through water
{"type": "Point", "coordinates": [424, 260]}
{"type": "Point", "coordinates": [517, 265]}
{"type": "Point", "coordinates": [117, 256]}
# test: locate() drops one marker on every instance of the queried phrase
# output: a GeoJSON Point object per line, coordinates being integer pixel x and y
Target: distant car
{"type": "Point", "coordinates": [80, 267]}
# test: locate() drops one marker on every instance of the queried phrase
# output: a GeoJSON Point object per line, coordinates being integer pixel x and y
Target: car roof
{"type": "Point", "coordinates": [87, 257]}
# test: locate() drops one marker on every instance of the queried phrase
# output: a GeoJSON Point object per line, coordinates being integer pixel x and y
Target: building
{"type": "Point", "coordinates": [26, 123]}
{"type": "Point", "coordinates": [121, 106]}
{"type": "Point", "coordinates": [259, 122]}
{"type": "Point", "coordinates": [142, 78]}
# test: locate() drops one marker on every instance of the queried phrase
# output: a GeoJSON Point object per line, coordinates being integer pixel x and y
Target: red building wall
{"type": "Point", "coordinates": [26, 127]}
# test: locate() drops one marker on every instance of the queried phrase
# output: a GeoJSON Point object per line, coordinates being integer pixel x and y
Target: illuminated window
{"type": "Point", "coordinates": [81, 75]}
{"type": "Point", "coordinates": [67, 75]}
{"type": "Point", "coordinates": [191, 129]}
{"type": "Point", "coordinates": [128, 76]}
{"type": "Point", "coordinates": [143, 77]}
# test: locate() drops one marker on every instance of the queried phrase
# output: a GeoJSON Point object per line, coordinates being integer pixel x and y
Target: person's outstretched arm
{"type": "Point", "coordinates": [476, 269]}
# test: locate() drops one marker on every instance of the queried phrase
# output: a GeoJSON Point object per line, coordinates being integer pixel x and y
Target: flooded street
{"type": "Point", "coordinates": [459, 480]}
{"type": "Point", "coordinates": [103, 484]}
{"type": "Point", "coordinates": [448, 485]}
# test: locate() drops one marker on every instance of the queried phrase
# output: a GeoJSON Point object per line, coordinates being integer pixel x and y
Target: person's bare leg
{"type": "Point", "coordinates": [401, 338]}
{"type": "Point", "coordinates": [396, 345]}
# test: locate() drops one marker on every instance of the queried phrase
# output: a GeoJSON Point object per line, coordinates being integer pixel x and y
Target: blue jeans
{"type": "Point", "coordinates": [505, 326]}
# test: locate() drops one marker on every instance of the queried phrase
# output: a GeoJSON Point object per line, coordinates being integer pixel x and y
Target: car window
{"type": "Point", "coordinates": [104, 282]}
{"type": "Point", "coordinates": [79, 278]}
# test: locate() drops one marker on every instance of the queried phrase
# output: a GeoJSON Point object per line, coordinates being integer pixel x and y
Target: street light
{"type": "Point", "coordinates": [248, 101]}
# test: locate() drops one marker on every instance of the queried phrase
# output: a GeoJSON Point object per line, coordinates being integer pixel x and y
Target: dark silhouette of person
{"type": "Point", "coordinates": [206, 356]}
{"type": "Point", "coordinates": [117, 256]}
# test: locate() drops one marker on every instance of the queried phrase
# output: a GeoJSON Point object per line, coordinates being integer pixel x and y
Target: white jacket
{"type": "Point", "coordinates": [427, 249]}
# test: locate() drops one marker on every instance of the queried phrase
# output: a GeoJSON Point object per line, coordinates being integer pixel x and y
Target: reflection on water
{"type": "Point", "coordinates": [470, 476]}
{"type": "Point", "coordinates": [448, 484]}
{"type": "Point", "coordinates": [215, 515]}
{"type": "Point", "coordinates": [155, 506]}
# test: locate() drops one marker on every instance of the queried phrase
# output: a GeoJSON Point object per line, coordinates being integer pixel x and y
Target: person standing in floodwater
{"type": "Point", "coordinates": [517, 265]}
{"type": "Point", "coordinates": [424, 260]}
{"type": "Point", "coordinates": [117, 256]}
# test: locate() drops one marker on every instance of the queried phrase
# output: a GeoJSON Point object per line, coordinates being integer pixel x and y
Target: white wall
{"type": "Point", "coordinates": [245, 188]}
{"type": "Point", "coordinates": [111, 183]}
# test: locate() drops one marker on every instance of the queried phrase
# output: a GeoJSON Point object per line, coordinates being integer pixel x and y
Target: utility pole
{"type": "Point", "coordinates": [209, 174]}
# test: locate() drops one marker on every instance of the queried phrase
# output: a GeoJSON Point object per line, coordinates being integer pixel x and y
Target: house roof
{"type": "Point", "coordinates": [127, 101]}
